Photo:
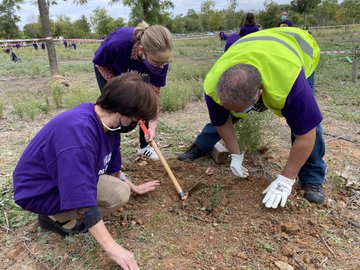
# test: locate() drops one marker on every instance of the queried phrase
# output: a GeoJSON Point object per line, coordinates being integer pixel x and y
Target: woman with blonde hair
{"type": "Point", "coordinates": [145, 50]}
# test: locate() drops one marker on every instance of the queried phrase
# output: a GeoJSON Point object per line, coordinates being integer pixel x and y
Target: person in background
{"type": "Point", "coordinates": [248, 28]}
{"type": "Point", "coordinates": [17, 45]}
{"type": "Point", "coordinates": [65, 43]}
{"type": "Point", "coordinates": [145, 50]}
{"type": "Point", "coordinates": [70, 173]}
{"type": "Point", "coordinates": [35, 45]}
{"type": "Point", "coordinates": [250, 76]}
{"type": "Point", "coordinates": [43, 46]}
{"type": "Point", "coordinates": [73, 45]}
{"type": "Point", "coordinates": [284, 21]}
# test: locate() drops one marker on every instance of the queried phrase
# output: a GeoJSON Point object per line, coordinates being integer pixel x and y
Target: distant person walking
{"type": "Point", "coordinates": [43, 46]}
{"type": "Point", "coordinates": [145, 50]}
{"type": "Point", "coordinates": [65, 43]}
{"type": "Point", "coordinates": [284, 21]}
{"type": "Point", "coordinates": [35, 45]}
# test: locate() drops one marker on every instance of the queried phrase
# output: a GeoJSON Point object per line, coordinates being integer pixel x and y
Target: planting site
{"type": "Point", "coordinates": [223, 223]}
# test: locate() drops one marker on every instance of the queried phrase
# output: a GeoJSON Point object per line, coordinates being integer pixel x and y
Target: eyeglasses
{"type": "Point", "coordinates": [155, 62]}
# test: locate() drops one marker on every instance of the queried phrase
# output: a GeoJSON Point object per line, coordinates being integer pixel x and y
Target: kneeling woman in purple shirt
{"type": "Point", "coordinates": [70, 173]}
{"type": "Point", "coordinates": [145, 50]}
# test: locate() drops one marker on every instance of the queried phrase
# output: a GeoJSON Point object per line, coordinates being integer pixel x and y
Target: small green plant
{"type": "Point", "coordinates": [57, 92]}
{"type": "Point", "coordinates": [214, 198]}
{"type": "Point", "coordinates": [175, 96]}
{"type": "Point", "coordinates": [80, 94]}
{"type": "Point", "coordinates": [198, 90]}
{"type": "Point", "coordinates": [18, 110]}
{"type": "Point", "coordinates": [45, 106]}
{"type": "Point", "coordinates": [250, 131]}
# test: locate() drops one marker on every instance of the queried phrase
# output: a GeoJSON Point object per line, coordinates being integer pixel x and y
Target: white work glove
{"type": "Point", "coordinates": [236, 165]}
{"type": "Point", "coordinates": [278, 190]}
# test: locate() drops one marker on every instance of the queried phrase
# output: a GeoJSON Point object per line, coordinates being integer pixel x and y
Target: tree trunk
{"type": "Point", "coordinates": [45, 23]}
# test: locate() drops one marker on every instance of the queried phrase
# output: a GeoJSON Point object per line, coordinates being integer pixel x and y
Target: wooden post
{"type": "Point", "coordinates": [220, 154]}
{"type": "Point", "coordinates": [354, 70]}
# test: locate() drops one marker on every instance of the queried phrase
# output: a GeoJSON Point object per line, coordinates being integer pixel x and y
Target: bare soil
{"type": "Point", "coordinates": [222, 224]}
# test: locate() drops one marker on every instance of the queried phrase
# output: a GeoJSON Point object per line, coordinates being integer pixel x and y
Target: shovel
{"type": "Point", "coordinates": [181, 193]}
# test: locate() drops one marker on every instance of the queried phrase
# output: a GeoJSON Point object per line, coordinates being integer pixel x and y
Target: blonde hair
{"type": "Point", "coordinates": [153, 38]}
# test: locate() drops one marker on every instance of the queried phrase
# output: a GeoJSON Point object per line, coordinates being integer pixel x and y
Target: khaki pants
{"type": "Point", "coordinates": [112, 193]}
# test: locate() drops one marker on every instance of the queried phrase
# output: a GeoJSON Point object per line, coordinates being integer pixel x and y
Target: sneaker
{"type": "Point", "coordinates": [191, 153]}
{"type": "Point", "coordinates": [148, 152]}
{"type": "Point", "coordinates": [313, 193]}
{"type": "Point", "coordinates": [61, 228]}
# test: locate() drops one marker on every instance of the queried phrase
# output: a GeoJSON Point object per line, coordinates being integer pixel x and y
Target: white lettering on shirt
{"type": "Point", "coordinates": [107, 159]}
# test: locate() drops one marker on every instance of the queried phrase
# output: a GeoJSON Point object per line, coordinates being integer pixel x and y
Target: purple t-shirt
{"type": "Point", "coordinates": [300, 110]}
{"type": "Point", "coordinates": [285, 23]}
{"type": "Point", "coordinates": [115, 52]}
{"type": "Point", "coordinates": [231, 40]}
{"type": "Point", "coordinates": [60, 167]}
{"type": "Point", "coordinates": [248, 29]}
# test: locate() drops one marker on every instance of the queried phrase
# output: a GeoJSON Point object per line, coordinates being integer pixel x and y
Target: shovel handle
{"type": "Point", "coordinates": [181, 193]}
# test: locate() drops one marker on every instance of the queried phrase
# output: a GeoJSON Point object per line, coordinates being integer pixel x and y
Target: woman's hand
{"type": "Point", "coordinates": [146, 187]}
{"type": "Point", "coordinates": [123, 257]}
{"type": "Point", "coordinates": [152, 133]}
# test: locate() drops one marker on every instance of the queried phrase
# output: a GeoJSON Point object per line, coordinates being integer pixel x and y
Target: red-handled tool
{"type": "Point", "coordinates": [181, 193]}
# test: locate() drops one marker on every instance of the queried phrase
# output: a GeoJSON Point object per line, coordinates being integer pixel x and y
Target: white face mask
{"type": "Point", "coordinates": [121, 128]}
{"type": "Point", "coordinates": [110, 129]}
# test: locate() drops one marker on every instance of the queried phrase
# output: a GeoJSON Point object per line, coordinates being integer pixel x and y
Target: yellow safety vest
{"type": "Point", "coordinates": [278, 53]}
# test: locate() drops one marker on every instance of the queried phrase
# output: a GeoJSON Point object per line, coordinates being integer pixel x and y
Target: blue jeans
{"type": "Point", "coordinates": [313, 171]}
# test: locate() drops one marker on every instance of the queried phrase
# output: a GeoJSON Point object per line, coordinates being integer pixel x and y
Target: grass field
{"type": "Point", "coordinates": [28, 100]}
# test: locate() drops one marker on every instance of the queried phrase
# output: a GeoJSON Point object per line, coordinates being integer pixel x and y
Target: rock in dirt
{"type": "Point", "coordinates": [210, 171]}
{"type": "Point", "coordinates": [12, 254]}
{"type": "Point", "coordinates": [283, 266]}
{"type": "Point", "coordinates": [290, 228]}
{"type": "Point", "coordinates": [286, 250]}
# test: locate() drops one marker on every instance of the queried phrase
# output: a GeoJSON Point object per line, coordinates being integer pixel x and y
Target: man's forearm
{"type": "Point", "coordinates": [227, 133]}
{"type": "Point", "coordinates": [299, 153]}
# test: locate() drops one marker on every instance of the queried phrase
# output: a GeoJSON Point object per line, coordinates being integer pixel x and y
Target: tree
{"type": "Point", "coordinates": [8, 19]}
{"type": "Point", "coordinates": [326, 11]}
{"type": "Point", "coordinates": [270, 16]}
{"type": "Point", "coordinates": [103, 23]}
{"type": "Point", "coordinates": [207, 7]}
{"type": "Point", "coordinates": [231, 20]}
{"type": "Point", "coordinates": [352, 10]}
{"type": "Point", "coordinates": [304, 6]}
{"type": "Point", "coordinates": [82, 27]}
{"type": "Point", "coordinates": [146, 10]}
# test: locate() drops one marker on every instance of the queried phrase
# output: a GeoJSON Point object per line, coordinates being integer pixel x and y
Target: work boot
{"type": "Point", "coordinates": [63, 228]}
{"type": "Point", "coordinates": [313, 193]}
{"type": "Point", "coordinates": [191, 153]}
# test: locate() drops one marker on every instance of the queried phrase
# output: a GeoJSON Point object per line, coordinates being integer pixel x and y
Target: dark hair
{"type": "Point", "coordinates": [129, 95]}
{"type": "Point", "coordinates": [240, 83]}
{"type": "Point", "coordinates": [249, 19]}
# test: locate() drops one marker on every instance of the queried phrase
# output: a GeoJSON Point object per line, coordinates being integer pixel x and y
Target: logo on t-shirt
{"type": "Point", "coordinates": [107, 159]}
{"type": "Point", "coordinates": [142, 74]}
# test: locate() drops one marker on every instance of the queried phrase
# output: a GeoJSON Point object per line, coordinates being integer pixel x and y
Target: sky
{"type": "Point", "coordinates": [29, 12]}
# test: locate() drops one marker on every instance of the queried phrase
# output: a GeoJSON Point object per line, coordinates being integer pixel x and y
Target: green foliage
{"type": "Point", "coordinates": [175, 96]}
{"type": "Point", "coordinates": [80, 94]}
{"type": "Point", "coordinates": [29, 107]}
{"type": "Point", "coordinates": [103, 23]}
{"type": "Point", "coordinates": [57, 92]}
{"type": "Point", "coordinates": [251, 131]}
{"type": "Point", "coordinates": [8, 19]}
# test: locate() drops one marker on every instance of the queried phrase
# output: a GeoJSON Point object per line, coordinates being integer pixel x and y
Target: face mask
{"type": "Point", "coordinates": [122, 128]}
{"type": "Point", "coordinates": [153, 70]}
{"type": "Point", "coordinates": [283, 17]}
{"type": "Point", "coordinates": [248, 109]}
